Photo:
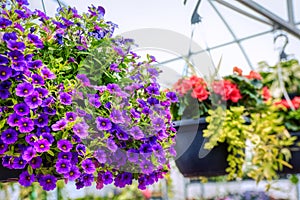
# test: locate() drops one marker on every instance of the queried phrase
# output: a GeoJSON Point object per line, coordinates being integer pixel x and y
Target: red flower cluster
{"type": "Point", "coordinates": [252, 74]}
{"type": "Point", "coordinates": [228, 90]}
{"type": "Point", "coordinates": [295, 101]}
{"type": "Point", "coordinates": [195, 84]}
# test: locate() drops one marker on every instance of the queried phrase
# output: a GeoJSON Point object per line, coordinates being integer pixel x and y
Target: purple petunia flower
{"type": "Point", "coordinates": [152, 101]}
{"type": "Point", "coordinates": [26, 125]}
{"type": "Point", "coordinates": [35, 162]}
{"type": "Point", "coordinates": [5, 22]}
{"type": "Point", "coordinates": [81, 129]}
{"type": "Point", "coordinates": [24, 89]}
{"type": "Point", "coordinates": [152, 90]}
{"type": "Point", "coordinates": [43, 92]}
{"type": "Point", "coordinates": [37, 80]}
{"type": "Point", "coordinates": [80, 148]}
{"type": "Point", "coordinates": [41, 121]}
{"type": "Point", "coordinates": [3, 60]}
{"type": "Point", "coordinates": [19, 163]}
{"type": "Point", "coordinates": [16, 55]}
{"type": "Point", "coordinates": [9, 136]}
{"type": "Point", "coordinates": [65, 98]}
{"type": "Point", "coordinates": [49, 111]}
{"type": "Point", "coordinates": [19, 66]}
{"type": "Point", "coordinates": [88, 166]}
{"type": "Point", "coordinates": [33, 100]}
{"type": "Point", "coordinates": [103, 123]}
{"type": "Point", "coordinates": [113, 88]}
{"type": "Point", "coordinates": [48, 136]}
{"type": "Point", "coordinates": [133, 155]}
{"type": "Point", "coordinates": [116, 116]}
{"type": "Point", "coordinates": [64, 145]}
{"type": "Point", "coordinates": [136, 133]}
{"type": "Point", "coordinates": [25, 179]}
{"type": "Point", "coordinates": [4, 94]}
{"type": "Point", "coordinates": [84, 79]}
{"type": "Point", "coordinates": [59, 125]}
{"type": "Point", "coordinates": [146, 167]}
{"type": "Point", "coordinates": [5, 73]}
{"type": "Point", "coordinates": [145, 148]}
{"type": "Point", "coordinates": [7, 161]}
{"type": "Point", "coordinates": [114, 67]}
{"type": "Point", "coordinates": [47, 74]}
{"type": "Point", "coordinates": [63, 166]}
{"type": "Point", "coordinates": [21, 109]}
{"type": "Point", "coordinates": [14, 45]}
{"type": "Point", "coordinates": [35, 40]}
{"type": "Point", "coordinates": [48, 101]}
{"type": "Point", "coordinates": [3, 147]}
{"type": "Point", "coordinates": [10, 36]}
{"type": "Point", "coordinates": [43, 130]}
{"type": "Point", "coordinates": [5, 85]}
{"type": "Point", "coordinates": [71, 116]}
{"type": "Point", "coordinates": [48, 182]}
{"type": "Point", "coordinates": [64, 156]}
{"type": "Point", "coordinates": [111, 145]}
{"type": "Point", "coordinates": [107, 178]}
{"type": "Point", "coordinates": [28, 154]}
{"type": "Point", "coordinates": [94, 100]}
{"type": "Point", "coordinates": [73, 174]}
{"type": "Point", "coordinates": [42, 145]}
{"type": "Point", "coordinates": [30, 139]}
{"type": "Point", "coordinates": [158, 124]}
{"type": "Point", "coordinates": [121, 135]}
{"type": "Point", "coordinates": [100, 155]}
{"type": "Point", "coordinates": [87, 179]}
{"type": "Point", "coordinates": [35, 64]}
{"type": "Point", "coordinates": [23, 2]}
{"type": "Point", "coordinates": [13, 120]}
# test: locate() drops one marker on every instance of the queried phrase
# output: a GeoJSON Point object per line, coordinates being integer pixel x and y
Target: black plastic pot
{"type": "Point", "coordinates": [190, 144]}
{"type": "Point", "coordinates": [9, 175]}
{"type": "Point", "coordinates": [295, 160]}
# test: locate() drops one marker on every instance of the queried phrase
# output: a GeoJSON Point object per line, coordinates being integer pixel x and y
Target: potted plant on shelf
{"type": "Point", "coordinates": [77, 104]}
{"type": "Point", "coordinates": [225, 107]}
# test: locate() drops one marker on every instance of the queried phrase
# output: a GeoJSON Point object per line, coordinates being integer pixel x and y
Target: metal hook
{"type": "Point", "coordinates": [283, 55]}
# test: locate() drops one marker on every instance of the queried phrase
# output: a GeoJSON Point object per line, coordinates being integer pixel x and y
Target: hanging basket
{"type": "Point", "coordinates": [9, 175]}
{"type": "Point", "coordinates": [189, 143]}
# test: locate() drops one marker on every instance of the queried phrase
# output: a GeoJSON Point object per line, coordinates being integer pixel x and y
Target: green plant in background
{"type": "Point", "coordinates": [229, 126]}
{"type": "Point", "coordinates": [270, 140]}
{"type": "Point", "coordinates": [290, 72]}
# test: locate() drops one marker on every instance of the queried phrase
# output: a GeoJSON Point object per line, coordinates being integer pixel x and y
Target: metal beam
{"type": "Point", "coordinates": [271, 16]}
{"type": "Point", "coordinates": [241, 11]}
{"type": "Point", "coordinates": [290, 10]}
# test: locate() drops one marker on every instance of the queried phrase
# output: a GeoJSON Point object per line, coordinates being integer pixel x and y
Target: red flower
{"type": "Point", "coordinates": [266, 93]}
{"type": "Point", "coordinates": [237, 70]}
{"type": "Point", "coordinates": [254, 75]}
{"type": "Point", "coordinates": [228, 90]}
{"type": "Point", "coordinates": [182, 86]}
{"type": "Point", "coordinates": [196, 81]}
{"type": "Point", "coordinates": [296, 102]}
{"type": "Point", "coordinates": [200, 93]}
{"type": "Point", "coordinates": [283, 103]}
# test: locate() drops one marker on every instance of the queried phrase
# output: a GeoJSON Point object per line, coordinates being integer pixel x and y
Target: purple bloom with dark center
{"type": "Point", "coordinates": [111, 145]}
{"type": "Point", "coordinates": [19, 66]}
{"type": "Point", "coordinates": [81, 129]}
{"type": "Point", "coordinates": [25, 179]}
{"type": "Point", "coordinates": [42, 145]}
{"type": "Point", "coordinates": [25, 125]}
{"type": "Point", "coordinates": [87, 179]}
{"type": "Point", "coordinates": [48, 136]}
{"type": "Point", "coordinates": [122, 135]}
{"type": "Point", "coordinates": [134, 113]}
{"type": "Point", "coordinates": [41, 121]}
{"type": "Point", "coordinates": [5, 73]}
{"type": "Point", "coordinates": [103, 124]}
{"type": "Point", "coordinates": [10, 36]}
{"type": "Point", "coordinates": [59, 38]}
{"type": "Point", "coordinates": [100, 155]}
{"type": "Point", "coordinates": [80, 148]}
{"type": "Point", "coordinates": [64, 156]}
{"type": "Point", "coordinates": [114, 67]}
{"type": "Point", "coordinates": [136, 133]}
{"type": "Point", "coordinates": [74, 160]}
{"type": "Point", "coordinates": [29, 153]}
{"type": "Point", "coordinates": [4, 22]}
{"type": "Point", "coordinates": [21, 14]}
{"type": "Point", "coordinates": [35, 162]}
{"type": "Point", "coordinates": [7, 161]}
{"type": "Point", "coordinates": [24, 89]}
{"type": "Point", "coordinates": [71, 116]}
{"type": "Point", "coordinates": [73, 174]}
{"type": "Point", "coordinates": [13, 120]}
{"type": "Point", "coordinates": [47, 74]}
{"type": "Point", "coordinates": [37, 80]}
{"type": "Point", "coordinates": [19, 163]}
{"type": "Point", "coordinates": [14, 45]}
{"type": "Point", "coordinates": [113, 88]}
{"type": "Point", "coordinates": [63, 166]}
{"type": "Point", "coordinates": [158, 124]}
{"type": "Point", "coordinates": [42, 130]}
{"type": "Point", "coordinates": [116, 116]}
{"type": "Point", "coordinates": [48, 101]}
{"type": "Point", "coordinates": [152, 90]}
{"type": "Point", "coordinates": [21, 109]}
{"type": "Point", "coordinates": [29, 57]}
{"type": "Point", "coordinates": [152, 101]}
{"type": "Point", "coordinates": [88, 166]}
{"type": "Point", "coordinates": [84, 79]}
{"type": "Point", "coordinates": [3, 60]}
{"type": "Point", "coordinates": [145, 148]}
{"type": "Point", "coordinates": [65, 98]}
{"type": "Point", "coordinates": [4, 94]}
{"type": "Point", "coordinates": [30, 139]}
{"type": "Point", "coordinates": [35, 64]}
{"type": "Point", "coordinates": [133, 155]}
{"type": "Point", "coordinates": [94, 100]}
{"type": "Point", "coordinates": [23, 2]}
{"type": "Point", "coordinates": [9, 136]}
{"type": "Point", "coordinates": [16, 55]}
{"type": "Point", "coordinates": [64, 145]}
{"type": "Point", "coordinates": [43, 92]}
{"type": "Point", "coordinates": [59, 125]}
{"type": "Point", "coordinates": [107, 178]}
{"type": "Point", "coordinates": [3, 147]}
{"type": "Point", "coordinates": [35, 40]}
{"type": "Point", "coordinates": [146, 167]}
{"type": "Point", "coordinates": [48, 182]}
{"type": "Point", "coordinates": [49, 111]}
